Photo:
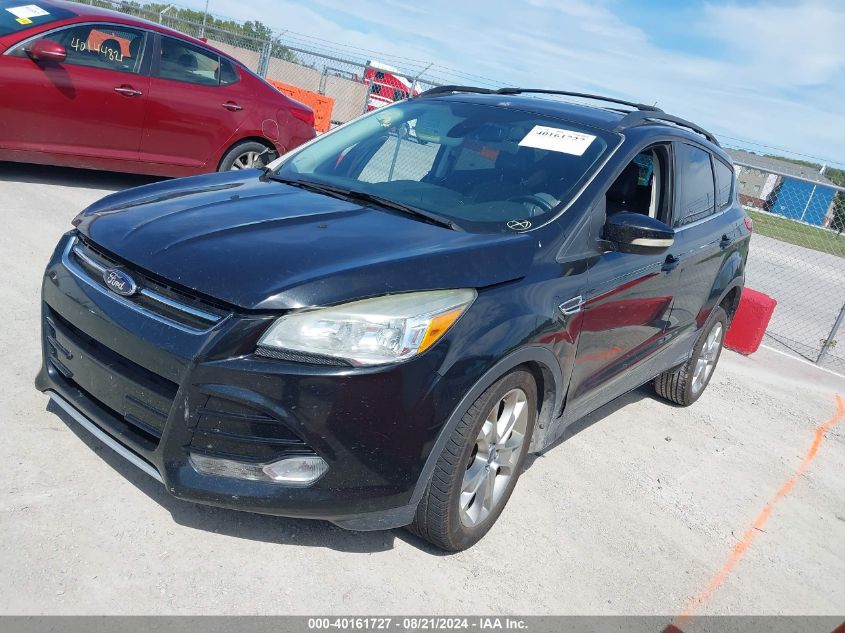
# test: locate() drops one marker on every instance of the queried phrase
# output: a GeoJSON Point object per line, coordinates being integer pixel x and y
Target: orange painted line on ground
{"type": "Point", "coordinates": [739, 550]}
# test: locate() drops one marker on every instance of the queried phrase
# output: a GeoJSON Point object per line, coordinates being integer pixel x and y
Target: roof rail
{"type": "Point", "coordinates": [441, 90]}
{"type": "Point", "coordinates": [581, 95]}
{"type": "Point", "coordinates": [639, 118]}
{"type": "Point", "coordinates": [447, 90]}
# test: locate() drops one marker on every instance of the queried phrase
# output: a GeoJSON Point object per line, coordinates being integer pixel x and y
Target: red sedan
{"type": "Point", "coordinates": [87, 87]}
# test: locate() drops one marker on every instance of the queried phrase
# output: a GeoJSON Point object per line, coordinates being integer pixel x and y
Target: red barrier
{"type": "Point", "coordinates": [750, 322]}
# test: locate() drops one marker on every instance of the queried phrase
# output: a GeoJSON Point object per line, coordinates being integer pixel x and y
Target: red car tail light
{"type": "Point", "coordinates": [306, 115]}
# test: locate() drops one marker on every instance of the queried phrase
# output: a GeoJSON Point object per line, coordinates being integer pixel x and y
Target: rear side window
{"type": "Point", "coordinates": [694, 177]}
{"type": "Point", "coordinates": [228, 74]}
{"type": "Point", "coordinates": [182, 61]}
{"type": "Point", "coordinates": [106, 46]}
{"type": "Point", "coordinates": [724, 184]}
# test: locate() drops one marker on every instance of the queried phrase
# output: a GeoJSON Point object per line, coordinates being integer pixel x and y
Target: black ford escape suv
{"type": "Point", "coordinates": [378, 327]}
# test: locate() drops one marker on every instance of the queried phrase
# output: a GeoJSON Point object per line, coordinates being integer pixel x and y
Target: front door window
{"type": "Point", "coordinates": [106, 46]}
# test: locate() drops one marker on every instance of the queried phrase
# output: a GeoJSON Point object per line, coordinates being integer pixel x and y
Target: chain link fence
{"type": "Point", "coordinates": [798, 257]}
{"type": "Point", "coordinates": [355, 83]}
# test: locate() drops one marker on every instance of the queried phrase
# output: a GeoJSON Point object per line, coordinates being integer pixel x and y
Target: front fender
{"type": "Point", "coordinates": [529, 354]}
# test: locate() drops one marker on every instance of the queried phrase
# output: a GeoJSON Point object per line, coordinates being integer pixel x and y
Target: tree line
{"type": "Point", "coordinates": [251, 34]}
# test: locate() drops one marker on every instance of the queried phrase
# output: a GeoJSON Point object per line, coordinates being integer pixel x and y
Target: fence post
{"type": "Point", "coordinates": [264, 59]}
{"type": "Point", "coordinates": [369, 88]}
{"type": "Point", "coordinates": [323, 76]}
{"type": "Point", "coordinates": [837, 324]}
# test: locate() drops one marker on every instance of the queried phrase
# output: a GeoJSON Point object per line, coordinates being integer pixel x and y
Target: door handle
{"type": "Point", "coordinates": [128, 91]}
{"type": "Point", "coordinates": [571, 306]}
{"type": "Point", "coordinates": [670, 263]}
{"type": "Point", "coordinates": [725, 241]}
{"type": "Point", "coordinates": [232, 106]}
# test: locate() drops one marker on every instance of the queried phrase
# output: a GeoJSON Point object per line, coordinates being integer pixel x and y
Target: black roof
{"type": "Point", "coordinates": [611, 118]}
{"type": "Point", "coordinates": [596, 117]}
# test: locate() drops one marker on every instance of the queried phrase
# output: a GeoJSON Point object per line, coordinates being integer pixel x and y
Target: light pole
{"type": "Point", "coordinates": [204, 18]}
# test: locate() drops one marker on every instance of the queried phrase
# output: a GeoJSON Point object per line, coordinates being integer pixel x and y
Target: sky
{"type": "Point", "coordinates": [768, 72]}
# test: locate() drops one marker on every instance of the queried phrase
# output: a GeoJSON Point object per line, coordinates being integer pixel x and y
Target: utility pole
{"type": "Point", "coordinates": [204, 18]}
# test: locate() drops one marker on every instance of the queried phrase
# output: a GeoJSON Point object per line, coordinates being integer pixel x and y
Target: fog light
{"type": "Point", "coordinates": [296, 471]}
{"type": "Point", "coordinates": [293, 471]}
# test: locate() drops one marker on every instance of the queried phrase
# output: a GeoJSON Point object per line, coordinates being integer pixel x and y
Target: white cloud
{"type": "Point", "coordinates": [803, 42]}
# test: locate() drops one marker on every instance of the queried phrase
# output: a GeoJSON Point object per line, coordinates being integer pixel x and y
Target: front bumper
{"type": "Point", "coordinates": [156, 392]}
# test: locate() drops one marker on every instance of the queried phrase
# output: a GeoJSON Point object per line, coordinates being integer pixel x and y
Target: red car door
{"type": "Point", "coordinates": [196, 104]}
{"type": "Point", "coordinates": [89, 105]}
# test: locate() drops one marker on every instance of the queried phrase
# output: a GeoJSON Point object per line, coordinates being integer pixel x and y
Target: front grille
{"type": "Point", "coordinates": [234, 430]}
{"type": "Point", "coordinates": [154, 298]}
{"type": "Point", "coordinates": [138, 400]}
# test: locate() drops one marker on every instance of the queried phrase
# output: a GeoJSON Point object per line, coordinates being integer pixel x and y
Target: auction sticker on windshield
{"type": "Point", "coordinates": [556, 139]}
{"type": "Point", "coordinates": [27, 11]}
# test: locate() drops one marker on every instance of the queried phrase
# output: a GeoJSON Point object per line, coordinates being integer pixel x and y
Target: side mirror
{"type": "Point", "coordinates": [637, 233]}
{"type": "Point", "coordinates": [45, 50]}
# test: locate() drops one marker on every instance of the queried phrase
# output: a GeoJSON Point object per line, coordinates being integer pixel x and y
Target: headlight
{"type": "Point", "coordinates": [373, 331]}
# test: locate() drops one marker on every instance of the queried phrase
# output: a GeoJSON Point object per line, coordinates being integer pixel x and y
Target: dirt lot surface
{"type": "Point", "coordinates": [723, 507]}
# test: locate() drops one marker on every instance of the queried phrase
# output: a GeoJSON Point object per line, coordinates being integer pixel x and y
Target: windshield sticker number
{"type": "Point", "coordinates": [557, 140]}
{"type": "Point", "coordinates": [27, 11]}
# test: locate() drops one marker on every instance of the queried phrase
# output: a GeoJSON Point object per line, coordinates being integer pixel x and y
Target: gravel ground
{"type": "Point", "coordinates": [634, 513]}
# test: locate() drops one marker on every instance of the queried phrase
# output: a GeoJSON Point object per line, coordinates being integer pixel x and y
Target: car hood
{"type": "Point", "coordinates": [261, 244]}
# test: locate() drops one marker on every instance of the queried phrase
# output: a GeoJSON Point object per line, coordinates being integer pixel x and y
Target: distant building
{"type": "Point", "coordinates": [773, 185]}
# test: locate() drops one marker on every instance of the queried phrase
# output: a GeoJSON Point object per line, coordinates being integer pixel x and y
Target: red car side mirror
{"type": "Point", "coordinates": [45, 50]}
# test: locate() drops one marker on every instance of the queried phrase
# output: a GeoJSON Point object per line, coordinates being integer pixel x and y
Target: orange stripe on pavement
{"type": "Point", "coordinates": [739, 550]}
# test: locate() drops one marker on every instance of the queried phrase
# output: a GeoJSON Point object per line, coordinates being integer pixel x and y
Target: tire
{"type": "Point", "coordinates": [685, 384]}
{"type": "Point", "coordinates": [453, 520]}
{"type": "Point", "coordinates": [246, 155]}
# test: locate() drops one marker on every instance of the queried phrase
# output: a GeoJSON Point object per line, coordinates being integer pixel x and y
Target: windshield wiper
{"type": "Point", "coordinates": [363, 196]}
{"type": "Point", "coordinates": [425, 216]}
{"type": "Point", "coordinates": [336, 192]}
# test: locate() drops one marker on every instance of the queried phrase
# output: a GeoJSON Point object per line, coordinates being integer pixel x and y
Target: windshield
{"type": "Point", "coordinates": [481, 166]}
{"type": "Point", "coordinates": [18, 16]}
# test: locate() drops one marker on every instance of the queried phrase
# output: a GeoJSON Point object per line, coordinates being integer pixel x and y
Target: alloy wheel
{"type": "Point", "coordinates": [707, 358]}
{"type": "Point", "coordinates": [247, 160]}
{"type": "Point", "coordinates": [492, 463]}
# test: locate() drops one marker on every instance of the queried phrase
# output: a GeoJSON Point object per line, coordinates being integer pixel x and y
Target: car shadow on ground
{"type": "Point", "coordinates": [301, 532]}
{"type": "Point", "coordinates": [71, 177]}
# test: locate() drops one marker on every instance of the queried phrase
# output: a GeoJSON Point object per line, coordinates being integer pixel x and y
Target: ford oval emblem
{"type": "Point", "coordinates": [519, 225]}
{"type": "Point", "coordinates": [119, 282]}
